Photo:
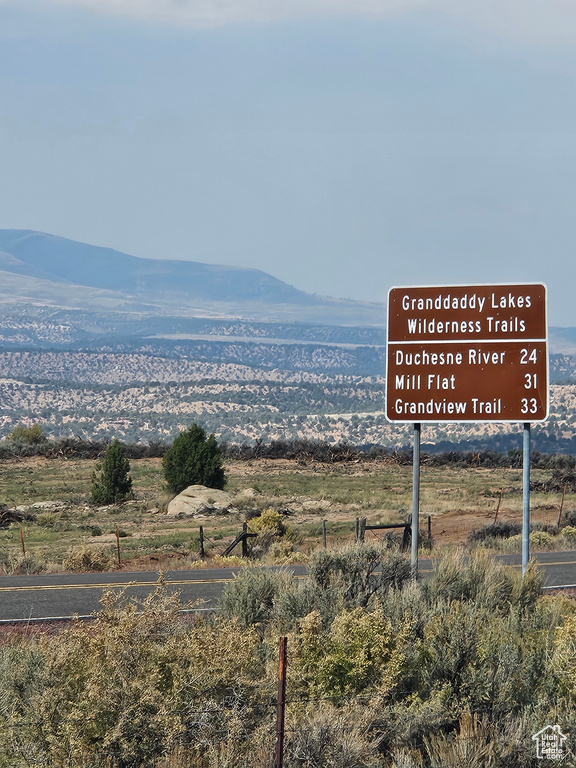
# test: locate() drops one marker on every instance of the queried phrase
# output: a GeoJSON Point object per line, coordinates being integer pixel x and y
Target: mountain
{"type": "Point", "coordinates": [98, 343]}
{"type": "Point", "coordinates": [38, 255]}
{"type": "Point", "coordinates": [42, 269]}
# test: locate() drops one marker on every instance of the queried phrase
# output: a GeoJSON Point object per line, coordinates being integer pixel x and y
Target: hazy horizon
{"type": "Point", "coordinates": [342, 147]}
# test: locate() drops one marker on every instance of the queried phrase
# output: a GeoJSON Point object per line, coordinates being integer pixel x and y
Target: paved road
{"type": "Point", "coordinates": [55, 596]}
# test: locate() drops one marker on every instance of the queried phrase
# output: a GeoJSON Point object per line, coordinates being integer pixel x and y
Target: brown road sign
{"type": "Point", "coordinates": [467, 353]}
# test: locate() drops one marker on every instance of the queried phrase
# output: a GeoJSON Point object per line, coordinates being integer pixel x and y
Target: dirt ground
{"type": "Point", "coordinates": [454, 527]}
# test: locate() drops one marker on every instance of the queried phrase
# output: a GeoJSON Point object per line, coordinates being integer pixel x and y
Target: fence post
{"type": "Point", "coordinates": [357, 529]}
{"type": "Point", "coordinates": [118, 544]}
{"type": "Point", "coordinates": [362, 529]}
{"type": "Point", "coordinates": [22, 538]}
{"type": "Point", "coordinates": [498, 507]}
{"type": "Point", "coordinates": [244, 540]}
{"type": "Point", "coordinates": [324, 533]}
{"type": "Point", "coordinates": [406, 537]}
{"type": "Point", "coordinates": [281, 703]}
{"type": "Point", "coordinates": [561, 507]}
{"type": "Point", "coordinates": [202, 542]}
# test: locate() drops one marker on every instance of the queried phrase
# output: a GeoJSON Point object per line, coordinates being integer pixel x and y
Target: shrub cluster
{"type": "Point", "coordinates": [459, 670]}
{"type": "Point", "coordinates": [31, 441]}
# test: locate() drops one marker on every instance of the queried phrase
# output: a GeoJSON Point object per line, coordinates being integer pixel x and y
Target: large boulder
{"type": "Point", "coordinates": [197, 500]}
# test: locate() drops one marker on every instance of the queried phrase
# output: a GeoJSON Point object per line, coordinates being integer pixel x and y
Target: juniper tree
{"type": "Point", "coordinates": [113, 482]}
{"type": "Point", "coordinates": [193, 459]}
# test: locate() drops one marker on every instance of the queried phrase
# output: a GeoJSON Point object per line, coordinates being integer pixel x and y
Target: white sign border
{"type": "Point", "coordinates": [435, 420]}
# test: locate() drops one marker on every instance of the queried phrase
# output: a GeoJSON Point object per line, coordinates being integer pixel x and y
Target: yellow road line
{"type": "Point", "coordinates": [120, 585]}
{"type": "Point", "coordinates": [181, 582]}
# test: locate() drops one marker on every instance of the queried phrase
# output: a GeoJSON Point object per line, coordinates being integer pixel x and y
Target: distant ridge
{"type": "Point", "coordinates": [59, 260]}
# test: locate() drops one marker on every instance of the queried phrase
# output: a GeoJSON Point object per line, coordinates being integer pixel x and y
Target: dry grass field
{"type": "Point", "coordinates": [57, 492]}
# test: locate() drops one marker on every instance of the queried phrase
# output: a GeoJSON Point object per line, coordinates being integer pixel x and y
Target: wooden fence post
{"type": "Point", "coordinates": [202, 542]}
{"type": "Point", "coordinates": [244, 540]}
{"type": "Point", "coordinates": [561, 507]}
{"type": "Point", "coordinates": [498, 507]}
{"type": "Point", "coordinates": [118, 544]}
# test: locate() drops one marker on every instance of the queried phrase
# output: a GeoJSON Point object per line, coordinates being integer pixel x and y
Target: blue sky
{"type": "Point", "coordinates": [344, 146]}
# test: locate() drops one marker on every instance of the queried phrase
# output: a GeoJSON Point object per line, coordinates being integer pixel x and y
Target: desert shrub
{"type": "Point", "coordinates": [87, 559]}
{"type": "Point", "coordinates": [542, 539]}
{"type": "Point", "coordinates": [137, 682]}
{"type": "Point", "coordinates": [358, 572]}
{"type": "Point", "coordinates": [569, 533]}
{"type": "Point", "coordinates": [513, 544]}
{"type": "Point", "coordinates": [481, 641]}
{"type": "Point", "coordinates": [479, 743]}
{"type": "Point", "coordinates": [21, 671]}
{"type": "Point", "coordinates": [269, 520]}
{"type": "Point", "coordinates": [111, 482]}
{"type": "Point", "coordinates": [359, 652]}
{"type": "Point", "coordinates": [273, 533]}
{"type": "Point", "coordinates": [538, 539]}
{"type": "Point", "coordinates": [563, 659]}
{"type": "Point", "coordinates": [23, 564]}
{"type": "Point", "coordinates": [484, 581]}
{"type": "Point", "coordinates": [502, 530]}
{"type": "Point", "coordinates": [193, 459]}
{"type": "Point", "coordinates": [33, 435]}
{"type": "Point", "coordinates": [250, 597]}
{"type": "Point", "coordinates": [283, 552]}
{"type": "Point", "coordinates": [477, 659]}
{"type": "Point", "coordinates": [325, 737]}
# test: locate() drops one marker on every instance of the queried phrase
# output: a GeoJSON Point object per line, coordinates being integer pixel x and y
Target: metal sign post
{"type": "Point", "coordinates": [525, 498]}
{"type": "Point", "coordinates": [415, 501]}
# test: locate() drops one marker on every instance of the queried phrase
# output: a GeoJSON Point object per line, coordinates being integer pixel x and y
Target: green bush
{"type": "Point", "coordinates": [359, 652]}
{"type": "Point", "coordinates": [112, 482]}
{"type": "Point", "coordinates": [569, 533]}
{"type": "Point", "coordinates": [270, 521]}
{"type": "Point", "coordinates": [32, 435]}
{"type": "Point", "coordinates": [193, 459]}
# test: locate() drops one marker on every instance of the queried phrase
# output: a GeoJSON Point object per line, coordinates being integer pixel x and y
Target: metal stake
{"type": "Point", "coordinates": [281, 704]}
